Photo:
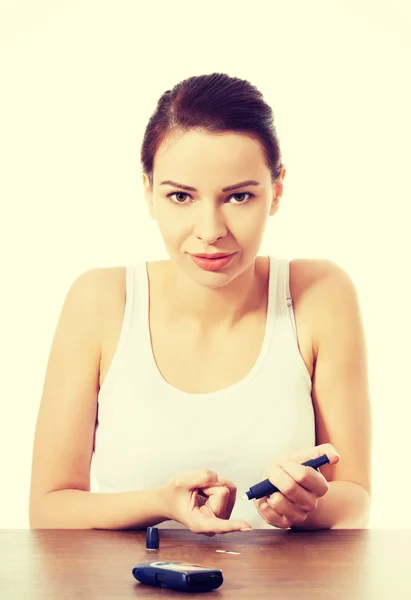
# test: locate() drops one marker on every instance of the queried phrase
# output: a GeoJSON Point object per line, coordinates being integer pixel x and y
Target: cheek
{"type": "Point", "coordinates": [250, 233]}
{"type": "Point", "coordinates": [170, 229]}
{"type": "Point", "coordinates": [254, 222]}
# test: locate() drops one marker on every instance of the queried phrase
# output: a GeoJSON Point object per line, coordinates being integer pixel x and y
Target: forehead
{"type": "Point", "coordinates": [218, 154]}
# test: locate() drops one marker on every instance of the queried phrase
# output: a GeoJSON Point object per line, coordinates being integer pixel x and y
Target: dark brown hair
{"type": "Point", "coordinates": [215, 103]}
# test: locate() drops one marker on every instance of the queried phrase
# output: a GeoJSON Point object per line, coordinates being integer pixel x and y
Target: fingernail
{"type": "Point", "coordinates": [246, 529]}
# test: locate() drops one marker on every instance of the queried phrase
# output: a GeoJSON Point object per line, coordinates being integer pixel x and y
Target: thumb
{"type": "Point", "coordinates": [309, 453]}
{"type": "Point", "coordinates": [327, 449]}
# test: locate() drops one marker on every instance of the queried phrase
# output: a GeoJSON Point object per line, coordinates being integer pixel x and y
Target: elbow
{"type": "Point", "coordinates": [36, 519]}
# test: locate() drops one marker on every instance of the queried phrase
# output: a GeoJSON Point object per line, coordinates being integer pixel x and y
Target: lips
{"type": "Point", "coordinates": [216, 263]}
{"type": "Point", "coordinates": [213, 256]}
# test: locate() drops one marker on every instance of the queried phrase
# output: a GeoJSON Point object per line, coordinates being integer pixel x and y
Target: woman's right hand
{"type": "Point", "coordinates": [202, 501]}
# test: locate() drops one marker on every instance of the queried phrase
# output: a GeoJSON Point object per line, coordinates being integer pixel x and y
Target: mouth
{"type": "Point", "coordinates": [213, 256]}
{"type": "Point", "coordinates": [212, 262]}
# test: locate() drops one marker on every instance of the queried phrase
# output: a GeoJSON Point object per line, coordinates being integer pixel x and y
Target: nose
{"type": "Point", "coordinates": [209, 223]}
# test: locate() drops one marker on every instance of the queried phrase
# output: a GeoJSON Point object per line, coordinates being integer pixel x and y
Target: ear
{"type": "Point", "coordinates": [148, 195]}
{"type": "Point", "coordinates": [278, 192]}
{"type": "Point", "coordinates": [274, 205]}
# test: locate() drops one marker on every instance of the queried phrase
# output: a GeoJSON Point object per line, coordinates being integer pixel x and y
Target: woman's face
{"type": "Point", "coordinates": [207, 219]}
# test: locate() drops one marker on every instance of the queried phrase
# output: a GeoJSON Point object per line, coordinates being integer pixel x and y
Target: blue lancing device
{"type": "Point", "coordinates": [266, 488]}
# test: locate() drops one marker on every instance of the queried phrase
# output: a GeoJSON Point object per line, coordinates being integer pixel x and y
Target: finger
{"type": "Point", "coordinates": [284, 507]}
{"type": "Point", "coordinates": [287, 476]}
{"type": "Point", "coordinates": [284, 482]}
{"type": "Point", "coordinates": [270, 515]}
{"type": "Point", "coordinates": [199, 478]}
{"type": "Point", "coordinates": [281, 513]}
{"type": "Point", "coordinates": [205, 520]}
{"type": "Point", "coordinates": [311, 483]}
{"type": "Point", "coordinates": [311, 452]}
{"type": "Point", "coordinates": [217, 500]}
{"type": "Point", "coordinates": [229, 500]}
{"type": "Point", "coordinates": [277, 520]}
{"type": "Point", "coordinates": [329, 450]}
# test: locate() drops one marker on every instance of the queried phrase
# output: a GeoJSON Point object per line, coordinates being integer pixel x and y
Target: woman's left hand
{"type": "Point", "coordinates": [300, 487]}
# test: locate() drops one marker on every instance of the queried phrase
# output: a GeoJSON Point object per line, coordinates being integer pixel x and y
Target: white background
{"type": "Point", "coordinates": [79, 81]}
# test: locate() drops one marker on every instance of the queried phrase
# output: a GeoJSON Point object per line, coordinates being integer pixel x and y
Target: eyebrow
{"type": "Point", "coordinates": [226, 189]}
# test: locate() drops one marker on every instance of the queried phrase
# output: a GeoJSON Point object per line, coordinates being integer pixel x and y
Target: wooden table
{"type": "Point", "coordinates": [75, 564]}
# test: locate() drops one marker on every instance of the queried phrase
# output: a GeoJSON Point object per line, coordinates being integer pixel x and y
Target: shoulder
{"type": "Point", "coordinates": [324, 289]}
{"type": "Point", "coordinates": [99, 283]}
{"type": "Point", "coordinates": [310, 272]}
{"type": "Point", "coordinates": [315, 269]}
{"type": "Point", "coordinates": [306, 275]}
{"type": "Point", "coordinates": [98, 291]}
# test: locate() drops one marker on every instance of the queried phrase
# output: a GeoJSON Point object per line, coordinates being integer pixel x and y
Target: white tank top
{"type": "Point", "coordinates": [147, 430]}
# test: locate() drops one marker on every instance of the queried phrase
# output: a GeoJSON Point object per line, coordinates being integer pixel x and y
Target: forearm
{"type": "Point", "coordinates": [79, 509]}
{"type": "Point", "coordinates": [346, 505]}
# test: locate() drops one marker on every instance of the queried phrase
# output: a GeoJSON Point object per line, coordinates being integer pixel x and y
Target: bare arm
{"type": "Point", "coordinates": [79, 509]}
{"type": "Point", "coordinates": [60, 494]}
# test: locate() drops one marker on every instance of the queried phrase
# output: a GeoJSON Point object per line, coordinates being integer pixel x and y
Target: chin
{"type": "Point", "coordinates": [213, 279]}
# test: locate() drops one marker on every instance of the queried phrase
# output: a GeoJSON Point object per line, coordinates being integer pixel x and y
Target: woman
{"type": "Point", "coordinates": [198, 376]}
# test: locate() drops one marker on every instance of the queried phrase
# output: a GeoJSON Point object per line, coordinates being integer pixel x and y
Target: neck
{"type": "Point", "coordinates": [206, 309]}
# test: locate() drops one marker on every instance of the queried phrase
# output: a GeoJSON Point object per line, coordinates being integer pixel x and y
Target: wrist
{"type": "Point", "coordinates": [163, 502]}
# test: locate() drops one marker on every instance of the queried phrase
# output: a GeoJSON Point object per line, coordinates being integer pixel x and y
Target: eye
{"type": "Point", "coordinates": [174, 194]}
{"type": "Point", "coordinates": [243, 194]}
{"type": "Point", "coordinates": [232, 195]}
